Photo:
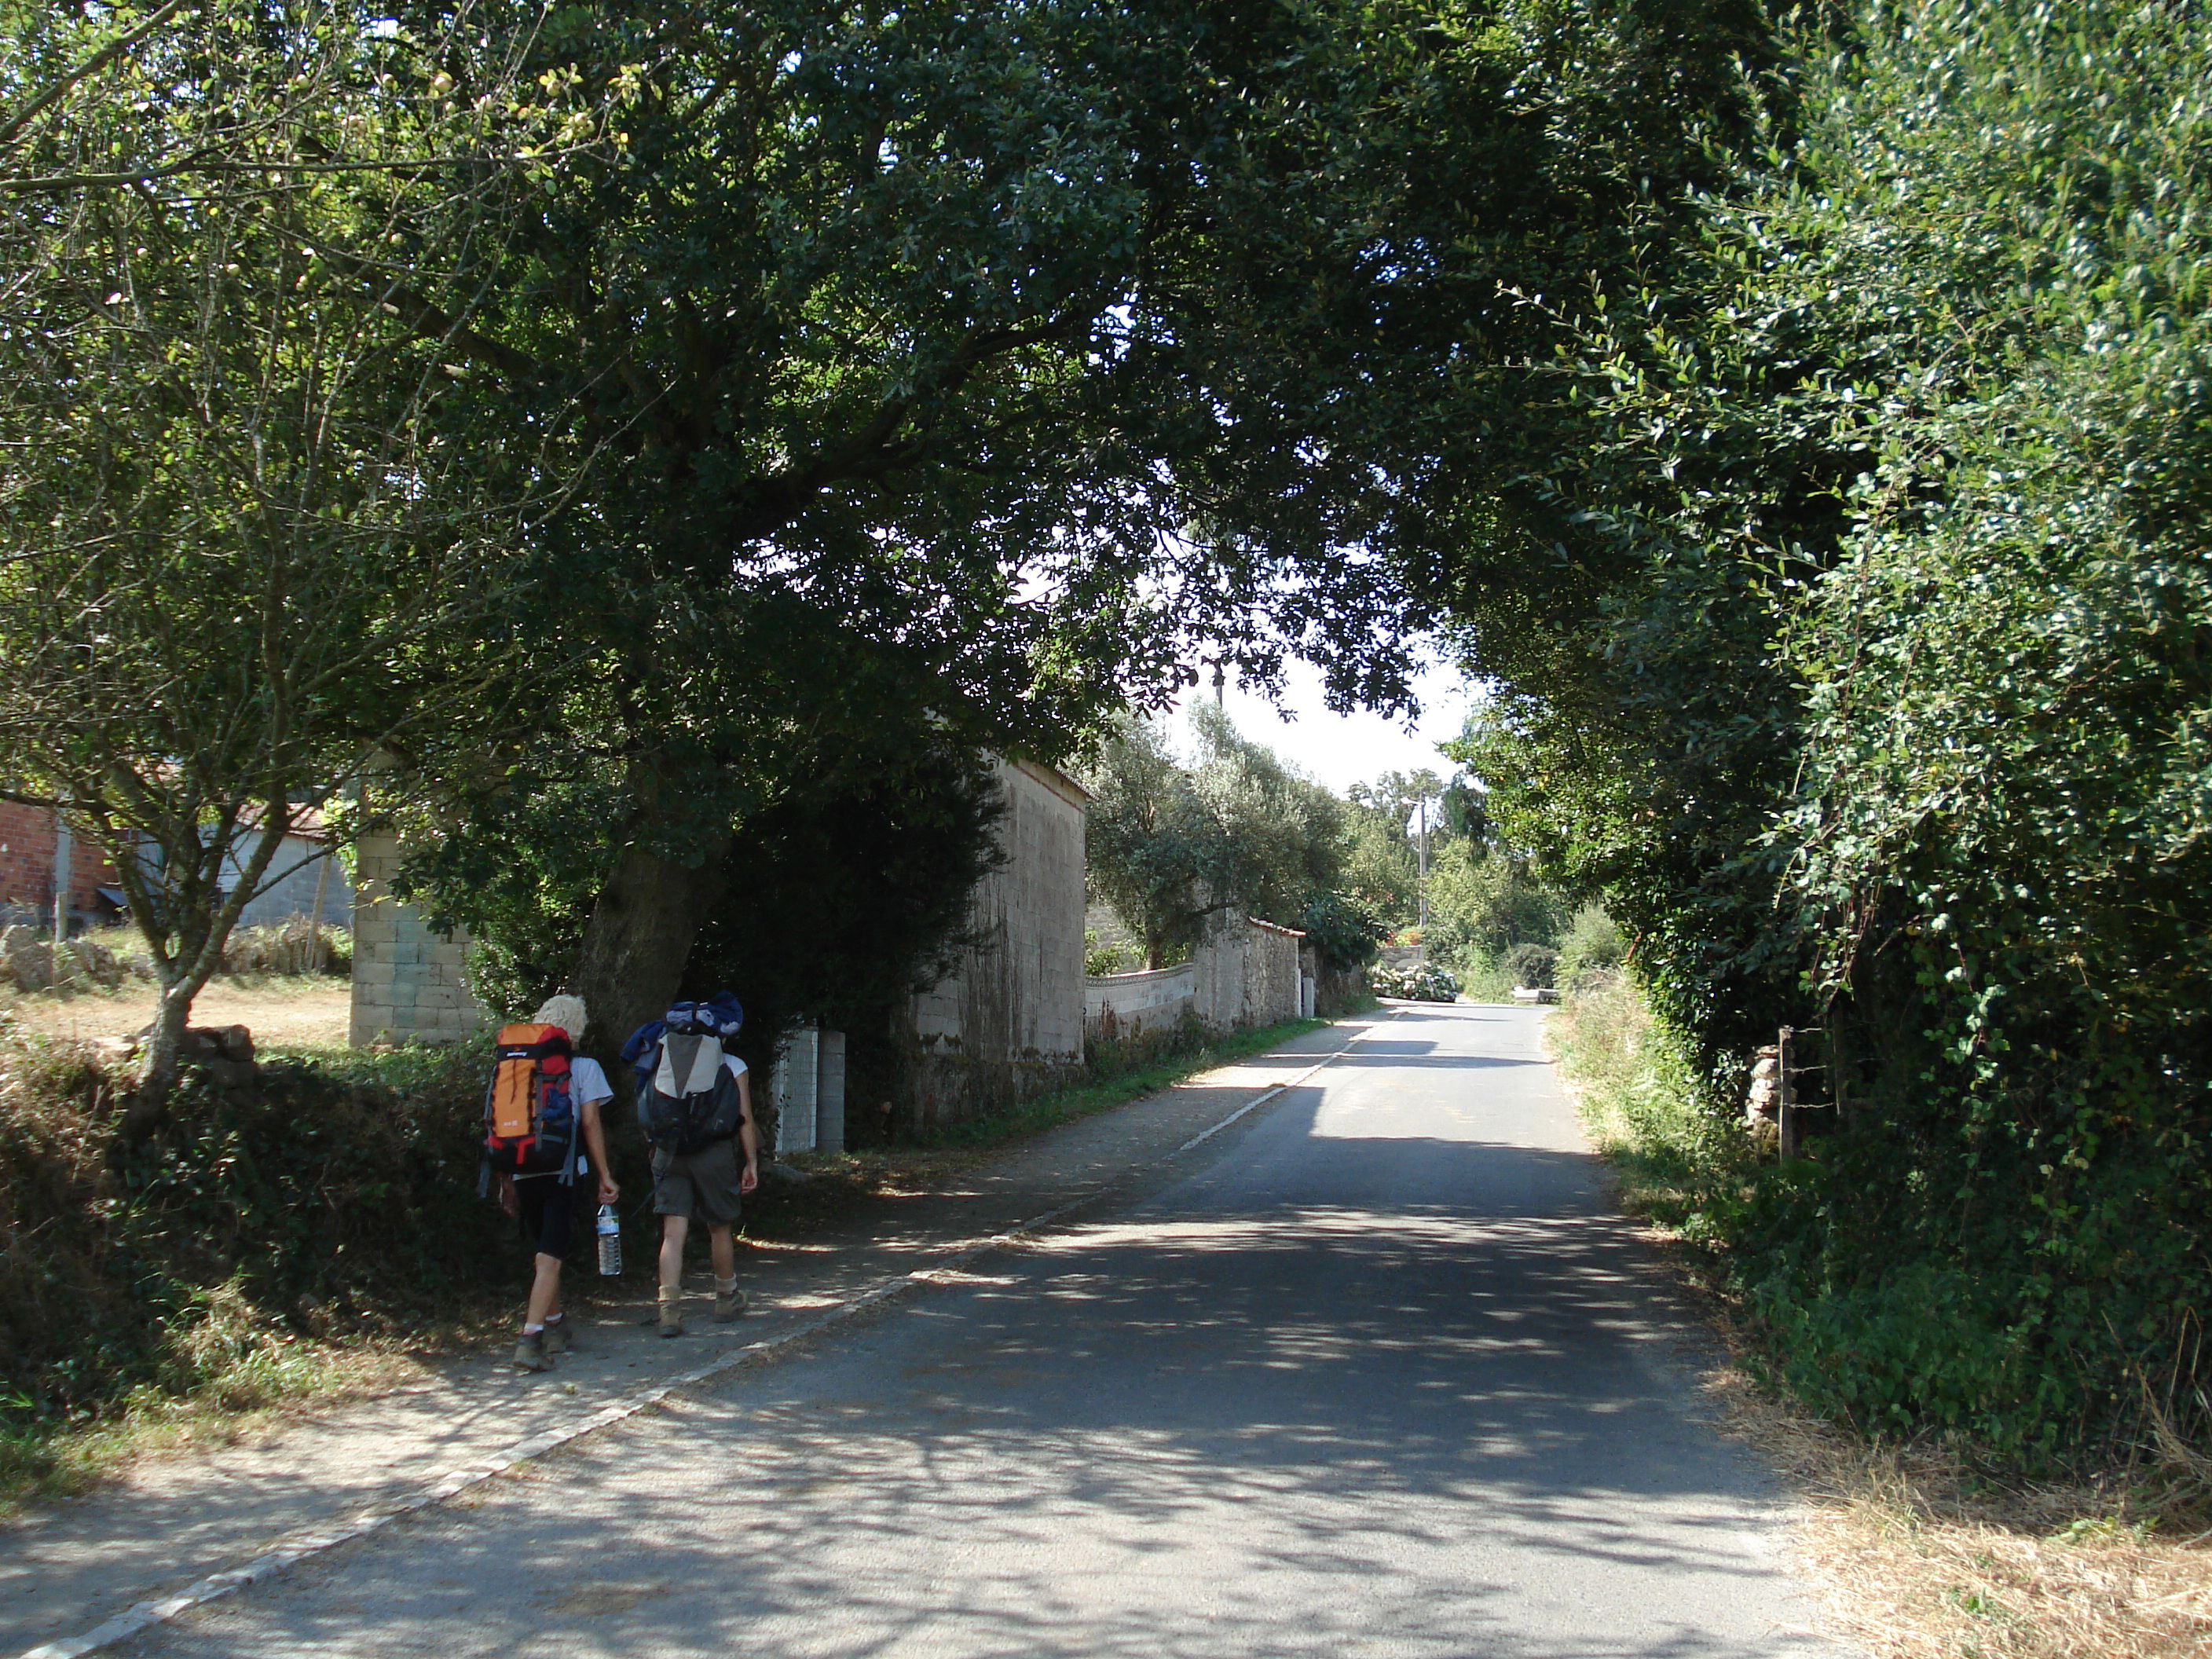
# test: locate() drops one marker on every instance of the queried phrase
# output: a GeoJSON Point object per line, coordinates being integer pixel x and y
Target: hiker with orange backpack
{"type": "Point", "coordinates": [544, 1100]}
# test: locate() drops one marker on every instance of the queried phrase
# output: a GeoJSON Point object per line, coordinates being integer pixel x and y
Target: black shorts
{"type": "Point", "coordinates": [547, 1211]}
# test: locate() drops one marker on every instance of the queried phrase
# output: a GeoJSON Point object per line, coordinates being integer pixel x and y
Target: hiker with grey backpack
{"type": "Point", "coordinates": [695, 1105]}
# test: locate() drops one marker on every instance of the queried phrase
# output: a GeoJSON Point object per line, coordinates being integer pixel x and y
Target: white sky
{"type": "Point", "coordinates": [1342, 750]}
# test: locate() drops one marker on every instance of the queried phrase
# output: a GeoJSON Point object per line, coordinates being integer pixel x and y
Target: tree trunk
{"type": "Point", "coordinates": [197, 955]}
{"type": "Point", "coordinates": [639, 939]}
{"type": "Point", "coordinates": [157, 1064]}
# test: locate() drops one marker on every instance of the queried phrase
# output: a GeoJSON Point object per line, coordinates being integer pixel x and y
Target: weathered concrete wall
{"type": "Point", "coordinates": [1007, 1022]}
{"type": "Point", "coordinates": [408, 983]}
{"type": "Point", "coordinates": [1123, 1005]}
{"type": "Point", "coordinates": [1246, 973]}
{"type": "Point", "coordinates": [806, 1088]}
{"type": "Point", "coordinates": [1273, 992]}
{"type": "Point", "coordinates": [299, 866]}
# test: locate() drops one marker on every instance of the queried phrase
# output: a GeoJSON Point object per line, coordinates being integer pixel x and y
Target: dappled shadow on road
{"type": "Point", "coordinates": [1456, 1425]}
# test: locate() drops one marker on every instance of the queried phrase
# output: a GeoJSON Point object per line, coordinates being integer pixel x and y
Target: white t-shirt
{"type": "Point", "coordinates": [588, 1080]}
{"type": "Point", "coordinates": [588, 1086]}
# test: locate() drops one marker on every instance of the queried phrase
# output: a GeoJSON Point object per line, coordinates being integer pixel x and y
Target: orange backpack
{"type": "Point", "coordinates": [530, 1112]}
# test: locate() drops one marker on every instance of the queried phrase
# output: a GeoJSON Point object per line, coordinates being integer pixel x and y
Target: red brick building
{"type": "Point", "coordinates": [26, 863]}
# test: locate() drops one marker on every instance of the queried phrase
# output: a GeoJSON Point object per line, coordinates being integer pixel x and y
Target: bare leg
{"type": "Point", "coordinates": [674, 1228]}
{"type": "Point", "coordinates": [544, 1290]}
{"type": "Point", "coordinates": [673, 1231]}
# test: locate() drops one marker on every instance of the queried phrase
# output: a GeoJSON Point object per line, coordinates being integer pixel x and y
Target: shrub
{"type": "Point", "coordinates": [1532, 965]}
{"type": "Point", "coordinates": [292, 947]}
{"type": "Point", "coordinates": [1592, 945]}
{"type": "Point", "coordinates": [1416, 982]}
{"type": "Point", "coordinates": [189, 1264]}
{"type": "Point", "coordinates": [1482, 904]}
{"type": "Point", "coordinates": [1343, 930]}
{"type": "Point", "coordinates": [1101, 958]}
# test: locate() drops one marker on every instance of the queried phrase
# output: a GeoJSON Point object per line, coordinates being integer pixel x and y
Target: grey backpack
{"type": "Point", "coordinates": [693, 1101]}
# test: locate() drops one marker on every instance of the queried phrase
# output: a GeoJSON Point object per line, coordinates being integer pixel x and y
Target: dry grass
{"type": "Point", "coordinates": [1918, 1556]}
{"type": "Point", "coordinates": [284, 1012]}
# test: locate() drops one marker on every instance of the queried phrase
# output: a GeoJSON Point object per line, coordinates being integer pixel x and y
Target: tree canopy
{"type": "Point", "coordinates": [244, 552]}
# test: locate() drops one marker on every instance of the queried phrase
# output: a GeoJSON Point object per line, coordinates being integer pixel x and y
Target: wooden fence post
{"type": "Point", "coordinates": [1785, 1086]}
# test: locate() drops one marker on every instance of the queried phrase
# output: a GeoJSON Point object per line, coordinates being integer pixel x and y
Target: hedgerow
{"type": "Point", "coordinates": [321, 1205]}
{"type": "Point", "coordinates": [1894, 718]}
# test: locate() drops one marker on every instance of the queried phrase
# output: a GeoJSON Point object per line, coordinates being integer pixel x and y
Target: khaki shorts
{"type": "Point", "coordinates": [702, 1185]}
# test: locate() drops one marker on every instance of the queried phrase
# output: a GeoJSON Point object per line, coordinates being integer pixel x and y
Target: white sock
{"type": "Point", "coordinates": [533, 1330]}
{"type": "Point", "coordinates": [724, 1286]}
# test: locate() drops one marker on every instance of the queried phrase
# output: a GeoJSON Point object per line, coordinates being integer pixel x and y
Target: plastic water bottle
{"type": "Point", "coordinates": [610, 1242]}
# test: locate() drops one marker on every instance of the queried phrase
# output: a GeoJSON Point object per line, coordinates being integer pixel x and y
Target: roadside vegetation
{"type": "Point", "coordinates": [1885, 721]}
{"type": "Point", "coordinates": [1928, 1545]}
{"type": "Point", "coordinates": [208, 1265]}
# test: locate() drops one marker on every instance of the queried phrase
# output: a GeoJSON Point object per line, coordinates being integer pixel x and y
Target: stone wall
{"type": "Point", "coordinates": [408, 983]}
{"type": "Point", "coordinates": [1007, 1022]}
{"type": "Point", "coordinates": [1273, 991]}
{"type": "Point", "coordinates": [1246, 973]}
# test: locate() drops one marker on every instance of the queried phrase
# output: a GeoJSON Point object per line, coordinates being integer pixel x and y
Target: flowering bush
{"type": "Point", "coordinates": [1415, 982]}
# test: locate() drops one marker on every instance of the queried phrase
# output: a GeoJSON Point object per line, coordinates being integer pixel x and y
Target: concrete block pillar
{"type": "Point", "coordinates": [797, 1073]}
{"type": "Point", "coordinates": [829, 1093]}
{"type": "Point", "coordinates": [1308, 992]}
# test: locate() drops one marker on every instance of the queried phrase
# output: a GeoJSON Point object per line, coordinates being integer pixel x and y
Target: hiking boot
{"type": "Point", "coordinates": [672, 1315]}
{"type": "Point", "coordinates": [530, 1353]}
{"type": "Point", "coordinates": [728, 1304]}
{"type": "Point", "coordinates": [557, 1339]}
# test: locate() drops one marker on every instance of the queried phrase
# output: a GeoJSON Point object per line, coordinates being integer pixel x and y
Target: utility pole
{"type": "Point", "coordinates": [64, 867]}
{"type": "Point", "coordinates": [1425, 864]}
{"type": "Point", "coordinates": [1217, 685]}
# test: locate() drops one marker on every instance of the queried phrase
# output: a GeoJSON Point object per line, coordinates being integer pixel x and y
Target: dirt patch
{"type": "Point", "coordinates": [280, 1012]}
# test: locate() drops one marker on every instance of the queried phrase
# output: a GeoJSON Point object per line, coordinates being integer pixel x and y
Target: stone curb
{"type": "Point", "coordinates": [292, 1551]}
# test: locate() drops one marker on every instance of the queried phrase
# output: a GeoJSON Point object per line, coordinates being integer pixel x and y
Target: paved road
{"type": "Point", "coordinates": [1374, 1373]}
